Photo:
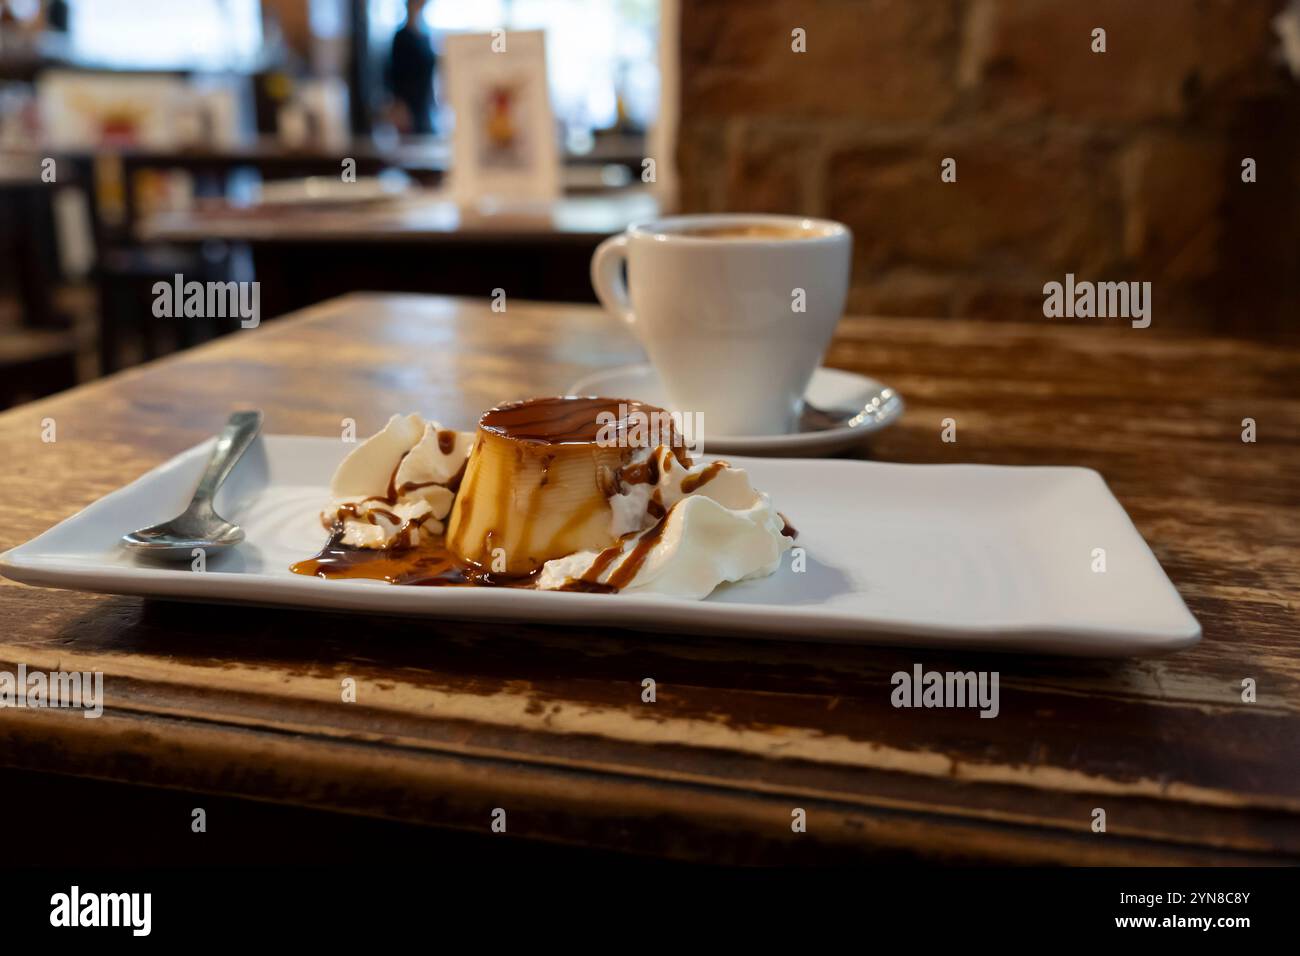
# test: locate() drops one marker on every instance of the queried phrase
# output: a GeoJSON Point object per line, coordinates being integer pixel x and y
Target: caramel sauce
{"type": "Point", "coordinates": [655, 506]}
{"type": "Point", "coordinates": [391, 496]}
{"type": "Point", "coordinates": [453, 483]}
{"type": "Point", "coordinates": [632, 563]}
{"type": "Point", "coordinates": [626, 571]}
{"type": "Point", "coordinates": [427, 564]}
{"type": "Point", "coordinates": [587, 587]}
{"type": "Point", "coordinates": [562, 420]}
{"type": "Point", "coordinates": [692, 482]}
{"type": "Point", "coordinates": [646, 473]}
{"type": "Point", "coordinates": [409, 486]}
{"type": "Point", "coordinates": [406, 530]}
{"type": "Point", "coordinates": [598, 566]}
{"type": "Point", "coordinates": [568, 420]}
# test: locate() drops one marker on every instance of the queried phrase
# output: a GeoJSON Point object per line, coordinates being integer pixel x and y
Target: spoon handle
{"type": "Point", "coordinates": [240, 430]}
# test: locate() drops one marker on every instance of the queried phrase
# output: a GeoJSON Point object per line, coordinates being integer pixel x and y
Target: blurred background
{"type": "Point", "coordinates": [140, 140]}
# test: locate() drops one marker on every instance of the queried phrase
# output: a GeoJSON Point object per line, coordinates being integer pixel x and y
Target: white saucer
{"type": "Point", "coordinates": [829, 389]}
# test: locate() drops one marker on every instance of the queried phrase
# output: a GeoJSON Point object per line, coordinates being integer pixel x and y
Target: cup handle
{"type": "Point", "coordinates": [607, 278]}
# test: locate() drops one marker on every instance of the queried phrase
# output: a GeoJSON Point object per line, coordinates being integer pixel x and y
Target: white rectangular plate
{"type": "Point", "coordinates": [969, 556]}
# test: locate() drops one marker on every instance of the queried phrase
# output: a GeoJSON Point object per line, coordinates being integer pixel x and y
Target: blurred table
{"type": "Point", "coordinates": [211, 165]}
{"type": "Point", "coordinates": [424, 159]}
{"type": "Point", "coordinates": [453, 720]}
{"type": "Point", "coordinates": [420, 217]}
{"type": "Point", "coordinates": [422, 242]}
{"type": "Point", "coordinates": [265, 153]}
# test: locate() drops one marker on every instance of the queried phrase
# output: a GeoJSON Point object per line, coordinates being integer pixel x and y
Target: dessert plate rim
{"type": "Point", "coordinates": [641, 375]}
{"type": "Point", "coordinates": [74, 555]}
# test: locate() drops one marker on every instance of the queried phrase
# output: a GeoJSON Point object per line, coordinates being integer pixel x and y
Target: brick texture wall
{"type": "Point", "coordinates": [1123, 165]}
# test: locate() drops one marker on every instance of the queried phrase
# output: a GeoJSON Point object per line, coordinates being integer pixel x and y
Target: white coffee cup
{"type": "Point", "coordinates": [735, 311]}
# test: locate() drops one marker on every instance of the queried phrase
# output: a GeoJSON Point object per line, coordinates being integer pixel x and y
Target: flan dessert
{"type": "Point", "coordinates": [542, 478]}
{"type": "Point", "coordinates": [567, 494]}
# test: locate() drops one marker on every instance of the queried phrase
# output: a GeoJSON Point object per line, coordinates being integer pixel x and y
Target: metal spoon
{"type": "Point", "coordinates": [883, 406]}
{"type": "Point", "coordinates": [199, 526]}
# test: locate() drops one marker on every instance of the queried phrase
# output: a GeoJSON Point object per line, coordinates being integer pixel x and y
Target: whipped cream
{"type": "Point", "coordinates": [682, 532]}
{"type": "Point", "coordinates": [398, 483]}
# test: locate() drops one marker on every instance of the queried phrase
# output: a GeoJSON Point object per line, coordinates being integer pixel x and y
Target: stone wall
{"type": "Point", "coordinates": [1122, 165]}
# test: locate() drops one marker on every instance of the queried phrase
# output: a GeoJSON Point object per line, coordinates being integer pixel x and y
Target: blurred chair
{"type": "Point", "coordinates": [38, 346]}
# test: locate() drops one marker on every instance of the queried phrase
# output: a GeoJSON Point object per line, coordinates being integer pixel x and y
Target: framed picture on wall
{"type": "Point", "coordinates": [504, 143]}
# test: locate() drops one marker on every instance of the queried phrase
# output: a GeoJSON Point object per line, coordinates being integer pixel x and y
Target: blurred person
{"type": "Point", "coordinates": [410, 72]}
{"type": "Point", "coordinates": [56, 16]}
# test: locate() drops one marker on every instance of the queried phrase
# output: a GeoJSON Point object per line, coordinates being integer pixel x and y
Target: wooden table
{"type": "Point", "coordinates": [453, 720]}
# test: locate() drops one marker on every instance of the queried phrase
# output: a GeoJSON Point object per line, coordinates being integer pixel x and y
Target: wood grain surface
{"type": "Point", "coordinates": [453, 720]}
